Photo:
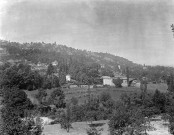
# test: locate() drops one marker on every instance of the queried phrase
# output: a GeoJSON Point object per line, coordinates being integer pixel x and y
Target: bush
{"type": "Point", "coordinates": [41, 96]}
{"type": "Point", "coordinates": [74, 101]}
{"type": "Point", "coordinates": [171, 128]}
{"type": "Point", "coordinates": [118, 82]}
{"type": "Point", "coordinates": [94, 86]}
{"type": "Point", "coordinates": [57, 98]}
{"type": "Point", "coordinates": [105, 97]}
{"type": "Point", "coordinates": [34, 127]}
{"type": "Point", "coordinates": [119, 121]}
{"type": "Point", "coordinates": [78, 113]}
{"type": "Point", "coordinates": [106, 86]}
{"type": "Point", "coordinates": [93, 131]}
{"type": "Point", "coordinates": [159, 100]}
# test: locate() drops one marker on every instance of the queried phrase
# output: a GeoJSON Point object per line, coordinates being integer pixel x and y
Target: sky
{"type": "Point", "coordinates": [138, 30]}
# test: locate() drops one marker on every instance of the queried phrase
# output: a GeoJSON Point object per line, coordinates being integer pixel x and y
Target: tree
{"type": "Point", "coordinates": [51, 81]}
{"type": "Point", "coordinates": [15, 103]}
{"type": "Point", "coordinates": [62, 78]}
{"type": "Point", "coordinates": [41, 96]}
{"type": "Point", "coordinates": [143, 86]}
{"type": "Point", "coordinates": [55, 83]}
{"type": "Point", "coordinates": [128, 119]}
{"type": "Point", "coordinates": [118, 82]}
{"type": "Point", "coordinates": [47, 83]}
{"type": "Point", "coordinates": [107, 72]}
{"type": "Point", "coordinates": [170, 83]}
{"type": "Point", "coordinates": [11, 78]}
{"type": "Point", "coordinates": [172, 26]}
{"type": "Point", "coordinates": [78, 113]}
{"type": "Point", "coordinates": [127, 75]}
{"type": "Point", "coordinates": [31, 126]}
{"type": "Point", "coordinates": [159, 100]}
{"type": "Point", "coordinates": [22, 77]}
{"type": "Point", "coordinates": [33, 81]}
{"type": "Point", "coordinates": [50, 69]}
{"type": "Point", "coordinates": [74, 101]}
{"type": "Point", "coordinates": [66, 119]}
{"type": "Point", "coordinates": [57, 98]}
{"type": "Point", "coordinates": [119, 121]}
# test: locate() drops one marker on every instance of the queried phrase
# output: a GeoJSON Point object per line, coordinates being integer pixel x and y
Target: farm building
{"type": "Point", "coordinates": [132, 81]}
{"type": "Point", "coordinates": [107, 80]}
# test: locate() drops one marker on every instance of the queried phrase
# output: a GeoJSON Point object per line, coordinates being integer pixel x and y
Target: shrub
{"type": "Point", "coordinates": [34, 127]}
{"type": "Point", "coordinates": [78, 113]}
{"type": "Point", "coordinates": [118, 121]}
{"type": "Point", "coordinates": [41, 96]}
{"type": "Point", "coordinates": [118, 82]}
{"type": "Point", "coordinates": [57, 98]}
{"type": "Point", "coordinates": [171, 128]}
{"type": "Point", "coordinates": [74, 101]}
{"type": "Point", "coordinates": [104, 97]}
{"type": "Point", "coordinates": [94, 86]}
{"type": "Point", "coordinates": [159, 100]}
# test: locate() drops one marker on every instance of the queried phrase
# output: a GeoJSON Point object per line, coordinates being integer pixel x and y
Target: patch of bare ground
{"type": "Point", "coordinates": [79, 128]}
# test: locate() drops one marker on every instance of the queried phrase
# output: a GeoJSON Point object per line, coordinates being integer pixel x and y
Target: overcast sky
{"type": "Point", "coordinates": [138, 30]}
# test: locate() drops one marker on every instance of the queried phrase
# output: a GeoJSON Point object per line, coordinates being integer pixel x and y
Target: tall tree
{"type": "Point", "coordinates": [170, 83]}
{"type": "Point", "coordinates": [15, 104]}
{"type": "Point", "coordinates": [127, 75]}
{"type": "Point", "coordinates": [50, 69]}
{"type": "Point", "coordinates": [57, 98]}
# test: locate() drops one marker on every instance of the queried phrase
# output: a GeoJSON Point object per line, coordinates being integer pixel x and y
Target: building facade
{"type": "Point", "coordinates": [107, 80]}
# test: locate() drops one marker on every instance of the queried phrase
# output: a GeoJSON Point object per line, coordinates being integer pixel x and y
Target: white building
{"type": "Point", "coordinates": [107, 80]}
{"type": "Point", "coordinates": [68, 78]}
{"type": "Point", "coordinates": [124, 84]}
{"type": "Point", "coordinates": [55, 63]}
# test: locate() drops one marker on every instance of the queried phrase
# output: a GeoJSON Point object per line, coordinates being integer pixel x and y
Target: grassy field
{"type": "Point", "coordinates": [82, 93]}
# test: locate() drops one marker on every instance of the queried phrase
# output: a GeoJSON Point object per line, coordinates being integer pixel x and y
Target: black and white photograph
{"type": "Point", "coordinates": [86, 67]}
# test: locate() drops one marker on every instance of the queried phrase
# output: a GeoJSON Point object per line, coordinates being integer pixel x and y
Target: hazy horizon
{"type": "Point", "coordinates": [136, 30]}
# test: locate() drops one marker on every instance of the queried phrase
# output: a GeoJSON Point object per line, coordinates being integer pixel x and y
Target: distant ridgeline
{"type": "Point", "coordinates": [76, 62]}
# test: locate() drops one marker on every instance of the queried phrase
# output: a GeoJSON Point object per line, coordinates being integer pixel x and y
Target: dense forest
{"type": "Point", "coordinates": [80, 64]}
